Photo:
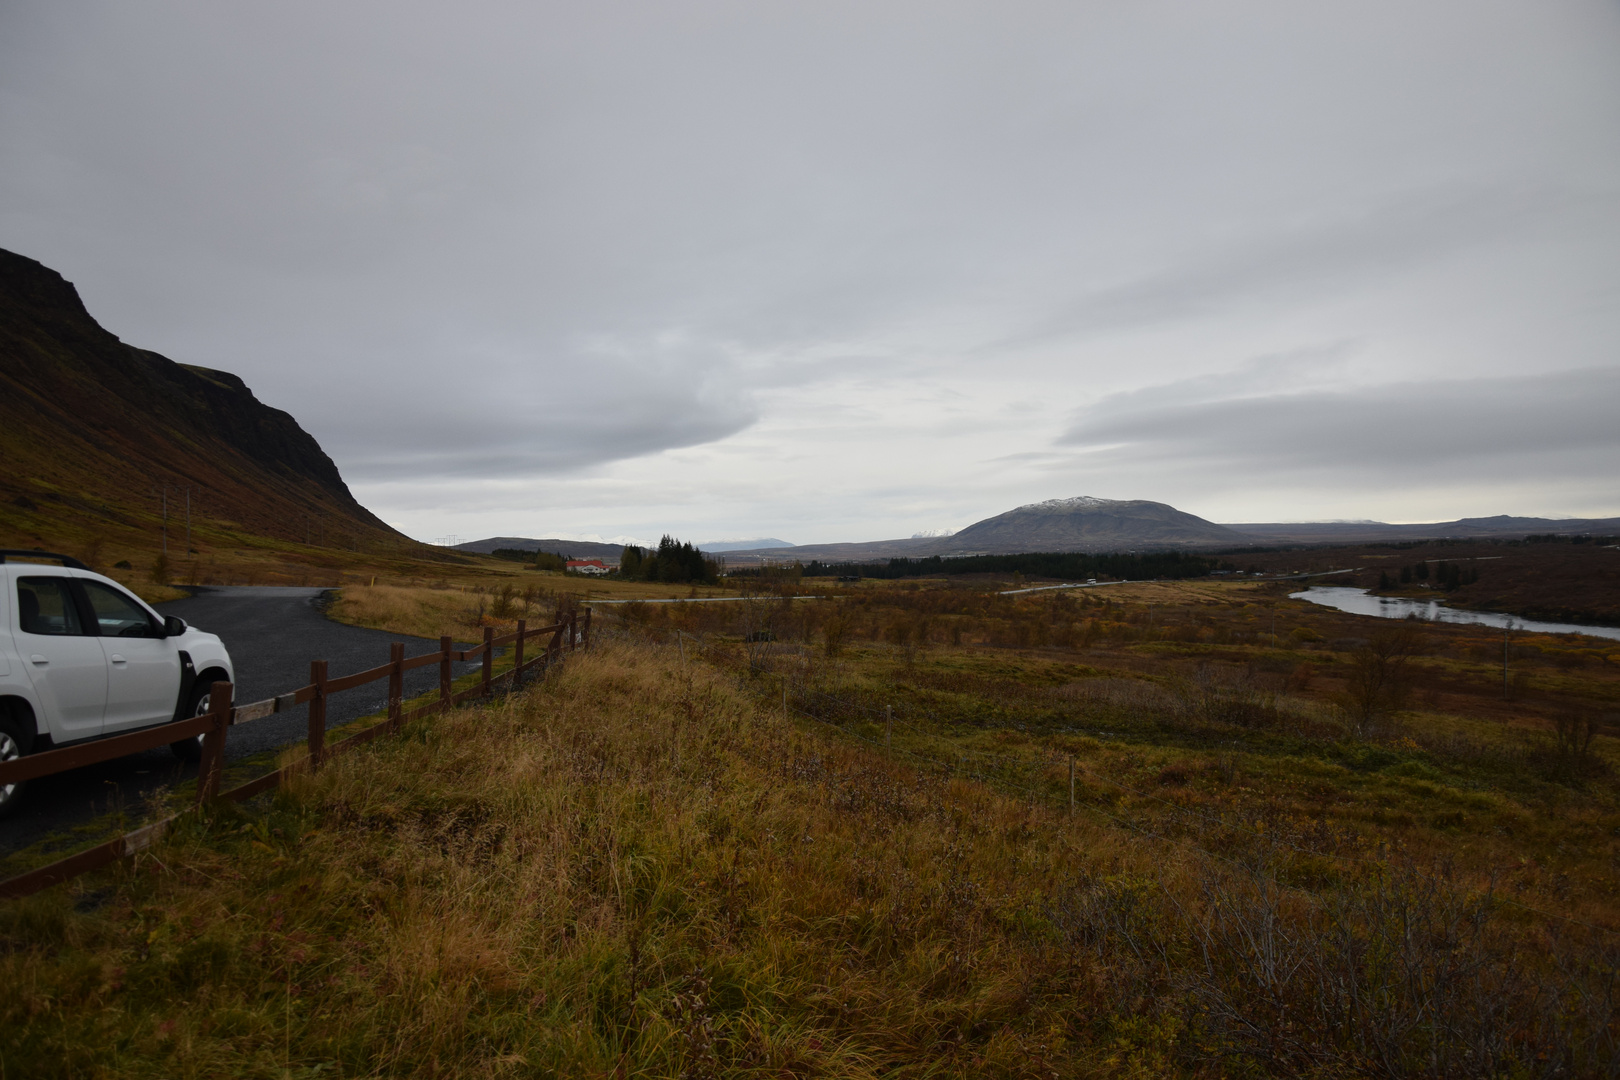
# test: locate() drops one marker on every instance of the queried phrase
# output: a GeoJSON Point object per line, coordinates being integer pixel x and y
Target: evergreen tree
{"type": "Point", "coordinates": [673, 561]}
{"type": "Point", "coordinates": [630, 561]}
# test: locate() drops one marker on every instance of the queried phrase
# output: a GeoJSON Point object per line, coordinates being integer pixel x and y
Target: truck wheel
{"type": "Point", "coordinates": [15, 741]}
{"type": "Point", "coordinates": [191, 749]}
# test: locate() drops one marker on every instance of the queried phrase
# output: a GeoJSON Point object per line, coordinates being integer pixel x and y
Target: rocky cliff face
{"type": "Point", "coordinates": [96, 426]}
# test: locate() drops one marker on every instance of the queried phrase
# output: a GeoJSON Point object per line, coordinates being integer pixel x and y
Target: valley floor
{"type": "Point", "coordinates": [657, 864]}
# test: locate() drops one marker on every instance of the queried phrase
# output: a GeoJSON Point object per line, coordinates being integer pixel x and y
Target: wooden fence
{"type": "Point", "coordinates": [566, 636]}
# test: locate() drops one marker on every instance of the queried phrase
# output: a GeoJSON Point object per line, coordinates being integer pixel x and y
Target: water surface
{"type": "Point", "coordinates": [1361, 602]}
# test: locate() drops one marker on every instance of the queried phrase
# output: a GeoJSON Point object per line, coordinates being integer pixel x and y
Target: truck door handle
{"type": "Point", "coordinates": [37, 659]}
{"type": "Point", "coordinates": [118, 659]}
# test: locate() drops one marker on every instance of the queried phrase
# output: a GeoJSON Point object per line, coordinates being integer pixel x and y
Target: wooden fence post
{"type": "Point", "coordinates": [554, 647]}
{"type": "Point", "coordinates": [213, 746]}
{"type": "Point", "coordinates": [317, 714]}
{"type": "Point", "coordinates": [396, 686]}
{"type": "Point", "coordinates": [445, 698]}
{"type": "Point", "coordinates": [517, 654]}
{"type": "Point", "coordinates": [489, 657]}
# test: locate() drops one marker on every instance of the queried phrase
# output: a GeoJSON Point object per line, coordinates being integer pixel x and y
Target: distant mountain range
{"type": "Point", "coordinates": [761, 544]}
{"type": "Point", "coordinates": [569, 549]}
{"type": "Point", "coordinates": [1093, 525]}
{"type": "Point", "coordinates": [1501, 527]}
{"type": "Point", "coordinates": [1097, 525]}
{"type": "Point", "coordinates": [1078, 524]}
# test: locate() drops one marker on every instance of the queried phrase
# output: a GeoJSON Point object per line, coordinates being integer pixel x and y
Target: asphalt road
{"type": "Point", "coordinates": [272, 634]}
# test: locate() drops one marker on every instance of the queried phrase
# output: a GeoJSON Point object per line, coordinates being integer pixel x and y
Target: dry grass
{"type": "Point", "coordinates": [1187, 719]}
{"type": "Point", "coordinates": [635, 870]}
{"type": "Point", "coordinates": [467, 607]}
{"type": "Point", "coordinates": [429, 612]}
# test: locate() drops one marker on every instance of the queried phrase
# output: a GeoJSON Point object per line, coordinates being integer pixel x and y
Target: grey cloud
{"type": "Point", "coordinates": [507, 240]}
{"type": "Point", "coordinates": [546, 444]}
{"type": "Point", "coordinates": [1278, 265]}
{"type": "Point", "coordinates": [1473, 428]}
{"type": "Point", "coordinates": [501, 421]}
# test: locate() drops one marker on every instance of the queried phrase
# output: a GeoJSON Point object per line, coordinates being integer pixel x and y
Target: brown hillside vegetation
{"type": "Point", "coordinates": [92, 430]}
{"type": "Point", "coordinates": [648, 867]}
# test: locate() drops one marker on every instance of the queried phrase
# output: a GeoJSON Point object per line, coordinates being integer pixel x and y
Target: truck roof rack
{"type": "Point", "coordinates": [66, 560]}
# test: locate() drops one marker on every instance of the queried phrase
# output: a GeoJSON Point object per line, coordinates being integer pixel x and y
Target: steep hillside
{"type": "Point", "coordinates": [92, 430]}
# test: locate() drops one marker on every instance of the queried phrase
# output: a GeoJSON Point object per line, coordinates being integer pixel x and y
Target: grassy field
{"type": "Point", "coordinates": [1232, 715]}
{"type": "Point", "coordinates": [467, 607]}
{"type": "Point", "coordinates": [847, 848]}
{"type": "Point", "coordinates": [226, 553]}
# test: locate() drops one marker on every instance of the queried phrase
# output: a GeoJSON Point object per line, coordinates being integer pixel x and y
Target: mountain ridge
{"type": "Point", "coordinates": [1081, 523]}
{"type": "Point", "coordinates": [1140, 524]}
{"type": "Point", "coordinates": [93, 429]}
{"type": "Point", "coordinates": [587, 549]}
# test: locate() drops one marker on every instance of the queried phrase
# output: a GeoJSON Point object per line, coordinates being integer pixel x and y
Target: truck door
{"type": "Point", "coordinates": [65, 661]}
{"type": "Point", "coordinates": [143, 668]}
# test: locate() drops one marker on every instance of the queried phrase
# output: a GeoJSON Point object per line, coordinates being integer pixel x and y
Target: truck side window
{"type": "Point", "coordinates": [116, 614]}
{"type": "Point", "coordinates": [45, 606]}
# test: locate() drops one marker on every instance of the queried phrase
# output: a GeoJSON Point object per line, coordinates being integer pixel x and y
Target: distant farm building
{"type": "Point", "coordinates": [588, 566]}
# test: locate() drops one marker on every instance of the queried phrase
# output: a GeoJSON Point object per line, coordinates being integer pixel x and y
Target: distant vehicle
{"type": "Point", "coordinates": [81, 658]}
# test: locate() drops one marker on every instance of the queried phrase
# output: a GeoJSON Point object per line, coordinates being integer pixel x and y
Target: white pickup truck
{"type": "Point", "coordinates": [81, 658]}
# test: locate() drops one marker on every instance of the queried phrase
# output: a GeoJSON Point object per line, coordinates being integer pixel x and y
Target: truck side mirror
{"type": "Point", "coordinates": [173, 626]}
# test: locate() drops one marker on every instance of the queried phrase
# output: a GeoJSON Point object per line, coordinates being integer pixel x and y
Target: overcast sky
{"type": "Point", "coordinates": [831, 271]}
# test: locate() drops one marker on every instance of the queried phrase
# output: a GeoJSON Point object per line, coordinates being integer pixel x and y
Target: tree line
{"type": "Point", "coordinates": [1165, 564]}
{"type": "Point", "coordinates": [1447, 575]}
{"type": "Point", "coordinates": [672, 561]}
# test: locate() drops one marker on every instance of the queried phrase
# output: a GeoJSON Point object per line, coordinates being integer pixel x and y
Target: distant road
{"type": "Point", "coordinates": [272, 634]}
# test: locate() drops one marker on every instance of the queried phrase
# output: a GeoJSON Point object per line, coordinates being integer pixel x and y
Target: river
{"type": "Point", "coordinates": [1361, 602]}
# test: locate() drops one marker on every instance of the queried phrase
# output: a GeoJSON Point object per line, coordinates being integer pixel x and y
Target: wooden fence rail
{"type": "Point", "coordinates": [566, 636]}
